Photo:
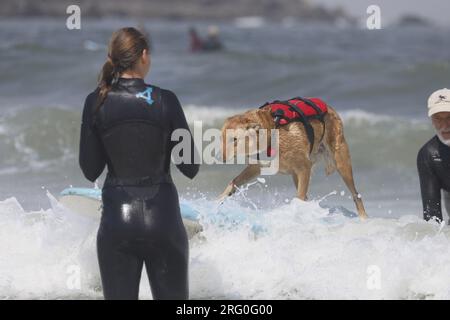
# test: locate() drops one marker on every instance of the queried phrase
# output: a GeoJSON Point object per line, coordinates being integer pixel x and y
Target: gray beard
{"type": "Point", "coordinates": [441, 138]}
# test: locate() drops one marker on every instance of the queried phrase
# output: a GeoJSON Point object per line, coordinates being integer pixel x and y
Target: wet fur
{"type": "Point", "coordinates": [295, 158]}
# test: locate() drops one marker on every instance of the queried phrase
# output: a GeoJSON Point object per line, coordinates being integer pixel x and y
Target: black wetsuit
{"type": "Point", "coordinates": [141, 220]}
{"type": "Point", "coordinates": [433, 163]}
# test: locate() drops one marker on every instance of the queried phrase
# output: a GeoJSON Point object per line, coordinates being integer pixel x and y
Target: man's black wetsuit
{"type": "Point", "coordinates": [433, 163]}
{"type": "Point", "coordinates": [141, 220]}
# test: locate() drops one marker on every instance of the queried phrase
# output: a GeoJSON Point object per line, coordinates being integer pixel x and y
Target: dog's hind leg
{"type": "Point", "coordinates": [249, 173]}
{"type": "Point", "coordinates": [337, 148]}
{"type": "Point", "coordinates": [344, 167]}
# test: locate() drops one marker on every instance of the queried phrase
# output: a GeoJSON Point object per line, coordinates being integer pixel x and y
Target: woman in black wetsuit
{"type": "Point", "coordinates": [127, 126]}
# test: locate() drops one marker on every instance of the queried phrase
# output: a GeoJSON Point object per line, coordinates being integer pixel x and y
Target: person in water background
{"type": "Point", "coordinates": [196, 43]}
{"type": "Point", "coordinates": [127, 126]}
{"type": "Point", "coordinates": [433, 159]}
{"type": "Point", "coordinates": [211, 43]}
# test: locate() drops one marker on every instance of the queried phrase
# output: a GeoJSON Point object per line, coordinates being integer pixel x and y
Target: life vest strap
{"type": "Point", "coordinates": [303, 119]}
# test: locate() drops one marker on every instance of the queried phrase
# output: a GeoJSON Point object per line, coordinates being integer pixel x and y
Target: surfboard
{"type": "Point", "coordinates": [87, 202]}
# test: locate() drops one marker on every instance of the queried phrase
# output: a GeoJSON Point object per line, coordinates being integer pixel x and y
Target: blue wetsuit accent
{"type": "Point", "coordinates": [146, 95]}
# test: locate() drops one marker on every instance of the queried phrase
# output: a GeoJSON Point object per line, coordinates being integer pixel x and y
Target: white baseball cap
{"type": "Point", "coordinates": [439, 101]}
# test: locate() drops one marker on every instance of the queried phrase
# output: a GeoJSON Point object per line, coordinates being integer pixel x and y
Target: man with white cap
{"type": "Point", "coordinates": [433, 160]}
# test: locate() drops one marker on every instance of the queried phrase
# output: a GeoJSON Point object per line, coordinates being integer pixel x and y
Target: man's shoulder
{"type": "Point", "coordinates": [430, 150]}
{"type": "Point", "coordinates": [430, 147]}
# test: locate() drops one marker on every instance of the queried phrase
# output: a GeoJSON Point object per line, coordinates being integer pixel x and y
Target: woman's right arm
{"type": "Point", "coordinates": [91, 158]}
{"type": "Point", "coordinates": [177, 120]}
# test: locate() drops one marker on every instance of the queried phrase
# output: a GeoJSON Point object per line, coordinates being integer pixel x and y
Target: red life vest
{"type": "Point", "coordinates": [298, 109]}
{"type": "Point", "coordinates": [318, 109]}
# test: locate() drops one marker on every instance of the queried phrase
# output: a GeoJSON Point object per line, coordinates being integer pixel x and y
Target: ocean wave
{"type": "Point", "coordinates": [214, 113]}
{"type": "Point", "coordinates": [360, 116]}
{"type": "Point", "coordinates": [45, 248]}
{"type": "Point", "coordinates": [308, 253]}
{"type": "Point", "coordinates": [93, 46]}
{"type": "Point", "coordinates": [209, 114]}
{"type": "Point", "coordinates": [250, 22]}
{"type": "Point", "coordinates": [38, 139]}
{"type": "Point", "coordinates": [304, 251]}
{"type": "Point", "coordinates": [46, 139]}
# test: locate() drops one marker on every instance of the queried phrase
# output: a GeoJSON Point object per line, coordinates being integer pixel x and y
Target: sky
{"type": "Point", "coordinates": [434, 10]}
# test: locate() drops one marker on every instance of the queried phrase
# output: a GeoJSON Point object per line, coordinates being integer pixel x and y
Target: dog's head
{"type": "Point", "coordinates": [240, 134]}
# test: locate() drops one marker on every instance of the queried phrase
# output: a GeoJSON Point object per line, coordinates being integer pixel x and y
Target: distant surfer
{"type": "Point", "coordinates": [433, 159]}
{"type": "Point", "coordinates": [196, 43]}
{"type": "Point", "coordinates": [211, 43]}
{"type": "Point", "coordinates": [127, 126]}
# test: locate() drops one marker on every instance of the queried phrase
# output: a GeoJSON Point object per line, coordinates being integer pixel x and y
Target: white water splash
{"type": "Point", "coordinates": [298, 251]}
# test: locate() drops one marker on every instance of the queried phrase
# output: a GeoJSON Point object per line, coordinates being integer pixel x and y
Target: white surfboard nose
{"type": "Point", "coordinates": [87, 202]}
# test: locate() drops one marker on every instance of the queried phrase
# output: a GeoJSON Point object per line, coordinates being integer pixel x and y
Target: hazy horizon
{"type": "Point", "coordinates": [434, 10]}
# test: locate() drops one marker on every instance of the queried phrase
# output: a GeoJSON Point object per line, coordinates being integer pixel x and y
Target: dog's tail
{"type": "Point", "coordinates": [330, 165]}
{"type": "Point", "coordinates": [333, 124]}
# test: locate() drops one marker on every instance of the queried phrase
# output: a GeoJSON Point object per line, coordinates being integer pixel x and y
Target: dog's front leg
{"type": "Point", "coordinates": [303, 177]}
{"type": "Point", "coordinates": [249, 173]}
